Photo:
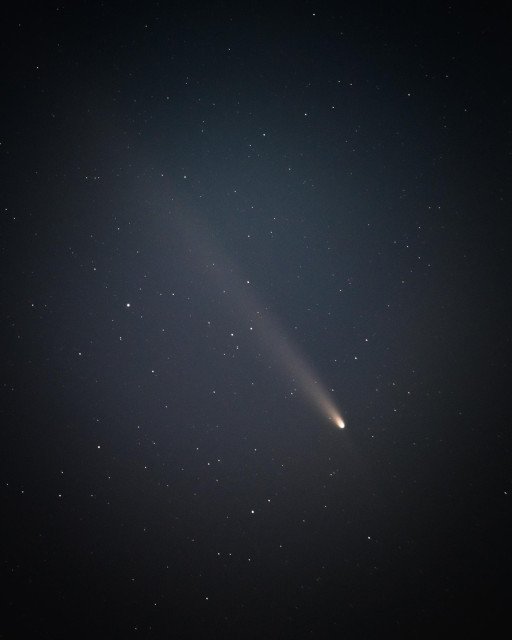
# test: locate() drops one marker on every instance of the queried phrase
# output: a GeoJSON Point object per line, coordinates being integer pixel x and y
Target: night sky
{"type": "Point", "coordinates": [225, 227]}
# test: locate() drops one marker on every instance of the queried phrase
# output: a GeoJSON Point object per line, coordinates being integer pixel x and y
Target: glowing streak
{"type": "Point", "coordinates": [271, 335]}
{"type": "Point", "coordinates": [291, 362]}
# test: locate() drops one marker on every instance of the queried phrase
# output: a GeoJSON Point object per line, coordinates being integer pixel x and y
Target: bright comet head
{"type": "Point", "coordinates": [338, 421]}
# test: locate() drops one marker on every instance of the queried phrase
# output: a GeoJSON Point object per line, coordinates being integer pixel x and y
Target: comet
{"type": "Point", "coordinates": [270, 334]}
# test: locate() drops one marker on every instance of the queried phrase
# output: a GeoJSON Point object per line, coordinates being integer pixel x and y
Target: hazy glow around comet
{"type": "Point", "coordinates": [271, 336]}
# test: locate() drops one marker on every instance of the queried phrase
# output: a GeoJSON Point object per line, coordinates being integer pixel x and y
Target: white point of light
{"type": "Point", "coordinates": [339, 422]}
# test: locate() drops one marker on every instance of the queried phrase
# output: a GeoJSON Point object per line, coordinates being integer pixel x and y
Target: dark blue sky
{"type": "Point", "coordinates": [209, 214]}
